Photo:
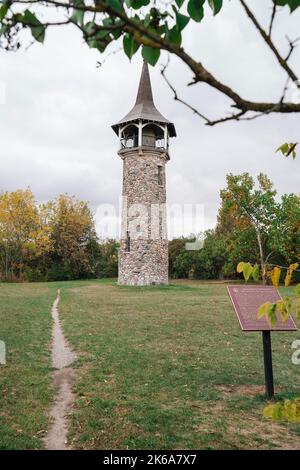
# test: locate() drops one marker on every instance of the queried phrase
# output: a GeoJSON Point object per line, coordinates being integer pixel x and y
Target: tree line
{"type": "Point", "coordinates": [52, 241]}
{"type": "Point", "coordinates": [253, 225]}
{"type": "Point", "coordinates": [58, 241]}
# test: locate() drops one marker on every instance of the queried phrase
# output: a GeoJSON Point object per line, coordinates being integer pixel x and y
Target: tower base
{"type": "Point", "coordinates": [145, 265]}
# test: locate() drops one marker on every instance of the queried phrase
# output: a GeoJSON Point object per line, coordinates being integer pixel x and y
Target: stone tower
{"type": "Point", "coordinates": [144, 137]}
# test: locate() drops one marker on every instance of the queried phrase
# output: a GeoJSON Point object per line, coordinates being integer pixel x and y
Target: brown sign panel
{"type": "Point", "coordinates": [246, 301]}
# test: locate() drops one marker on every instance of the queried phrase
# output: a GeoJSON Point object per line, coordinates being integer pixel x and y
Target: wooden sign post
{"type": "Point", "coordinates": [246, 300]}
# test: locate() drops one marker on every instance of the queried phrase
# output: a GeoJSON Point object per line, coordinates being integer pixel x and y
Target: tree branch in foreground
{"type": "Point", "coordinates": [148, 36]}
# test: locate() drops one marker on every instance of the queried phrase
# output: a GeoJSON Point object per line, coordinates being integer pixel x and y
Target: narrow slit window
{"type": "Point", "coordinates": [160, 175]}
{"type": "Point", "coordinates": [127, 241]}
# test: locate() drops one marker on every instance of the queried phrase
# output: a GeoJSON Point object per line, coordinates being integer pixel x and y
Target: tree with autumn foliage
{"type": "Point", "coordinates": [20, 232]}
{"type": "Point", "coordinates": [73, 235]}
{"type": "Point", "coordinates": [285, 233]}
{"type": "Point", "coordinates": [52, 241]}
{"type": "Point", "coordinates": [252, 209]}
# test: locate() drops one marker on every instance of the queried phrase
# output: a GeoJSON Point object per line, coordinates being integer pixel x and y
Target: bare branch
{"type": "Point", "coordinates": [292, 44]}
{"type": "Point", "coordinates": [270, 43]}
{"type": "Point", "coordinates": [176, 97]}
{"type": "Point", "coordinates": [208, 122]}
{"type": "Point", "coordinates": [114, 52]}
{"type": "Point", "coordinates": [274, 11]}
{"type": "Point", "coordinates": [291, 149]}
{"type": "Point", "coordinates": [232, 117]}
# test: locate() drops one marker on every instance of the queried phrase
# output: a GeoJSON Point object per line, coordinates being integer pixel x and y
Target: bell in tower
{"type": "Point", "coordinates": [144, 148]}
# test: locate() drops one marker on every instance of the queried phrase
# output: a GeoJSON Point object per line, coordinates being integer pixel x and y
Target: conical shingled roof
{"type": "Point", "coordinates": [144, 107]}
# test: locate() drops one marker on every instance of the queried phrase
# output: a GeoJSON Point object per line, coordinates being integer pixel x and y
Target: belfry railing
{"type": "Point", "coordinates": [132, 142]}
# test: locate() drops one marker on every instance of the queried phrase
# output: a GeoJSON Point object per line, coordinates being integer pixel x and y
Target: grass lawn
{"type": "Point", "coordinates": [159, 367]}
{"type": "Point", "coordinates": [169, 368]}
{"type": "Point", "coordinates": [25, 394]}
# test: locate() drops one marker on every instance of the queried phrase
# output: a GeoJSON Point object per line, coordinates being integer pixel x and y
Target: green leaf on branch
{"type": "Point", "coordinates": [130, 45]}
{"type": "Point", "coordinates": [137, 4]}
{"type": "Point", "coordinates": [271, 315]}
{"type": "Point", "coordinates": [283, 310]}
{"type": "Point", "coordinates": [215, 5]}
{"type": "Point", "coordinates": [240, 266]}
{"type": "Point", "coordinates": [196, 10]}
{"type": "Point", "coordinates": [3, 10]}
{"type": "Point", "coordinates": [77, 17]}
{"type": "Point", "coordinates": [101, 34]}
{"type": "Point", "coordinates": [288, 304]}
{"type": "Point", "coordinates": [293, 4]}
{"type": "Point", "coordinates": [3, 29]}
{"type": "Point", "coordinates": [107, 22]}
{"type": "Point", "coordinates": [37, 28]}
{"type": "Point", "coordinates": [117, 33]}
{"type": "Point", "coordinates": [89, 28]}
{"type": "Point", "coordinates": [247, 271]}
{"type": "Point", "coordinates": [97, 39]}
{"type": "Point", "coordinates": [150, 54]}
{"type": "Point", "coordinates": [288, 149]}
{"type": "Point", "coordinates": [174, 36]}
{"type": "Point", "coordinates": [255, 273]}
{"type": "Point", "coordinates": [268, 311]}
{"type": "Point", "coordinates": [181, 20]}
{"type": "Point", "coordinates": [179, 3]}
{"type": "Point", "coordinates": [115, 5]}
{"type": "Point", "coordinates": [263, 310]}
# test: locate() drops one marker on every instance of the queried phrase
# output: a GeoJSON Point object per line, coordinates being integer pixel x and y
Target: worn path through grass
{"type": "Point", "coordinates": [26, 390]}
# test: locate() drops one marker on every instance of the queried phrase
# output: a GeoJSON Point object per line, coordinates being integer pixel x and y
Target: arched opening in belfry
{"type": "Point", "coordinates": [130, 136]}
{"type": "Point", "coordinates": [153, 136]}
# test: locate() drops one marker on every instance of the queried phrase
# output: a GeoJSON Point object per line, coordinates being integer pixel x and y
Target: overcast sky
{"type": "Point", "coordinates": [55, 123]}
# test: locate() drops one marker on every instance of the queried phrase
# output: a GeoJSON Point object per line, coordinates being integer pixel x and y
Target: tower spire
{"type": "Point", "coordinates": [144, 108]}
{"type": "Point", "coordinates": [145, 89]}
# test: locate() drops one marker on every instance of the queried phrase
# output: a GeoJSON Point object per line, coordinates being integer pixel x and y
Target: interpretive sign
{"type": "Point", "coordinates": [246, 301]}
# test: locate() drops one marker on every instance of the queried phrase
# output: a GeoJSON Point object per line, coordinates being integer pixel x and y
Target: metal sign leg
{"type": "Point", "coordinates": [266, 337]}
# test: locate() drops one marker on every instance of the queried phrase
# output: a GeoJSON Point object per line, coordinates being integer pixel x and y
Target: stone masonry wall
{"type": "Point", "coordinates": [144, 218]}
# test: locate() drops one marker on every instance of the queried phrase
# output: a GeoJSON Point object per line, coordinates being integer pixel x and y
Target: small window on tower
{"type": "Point", "coordinates": [127, 241]}
{"type": "Point", "coordinates": [160, 175]}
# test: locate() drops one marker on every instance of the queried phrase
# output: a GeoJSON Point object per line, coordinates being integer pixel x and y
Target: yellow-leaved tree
{"type": "Point", "coordinates": [19, 229]}
{"type": "Point", "coordinates": [73, 238]}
